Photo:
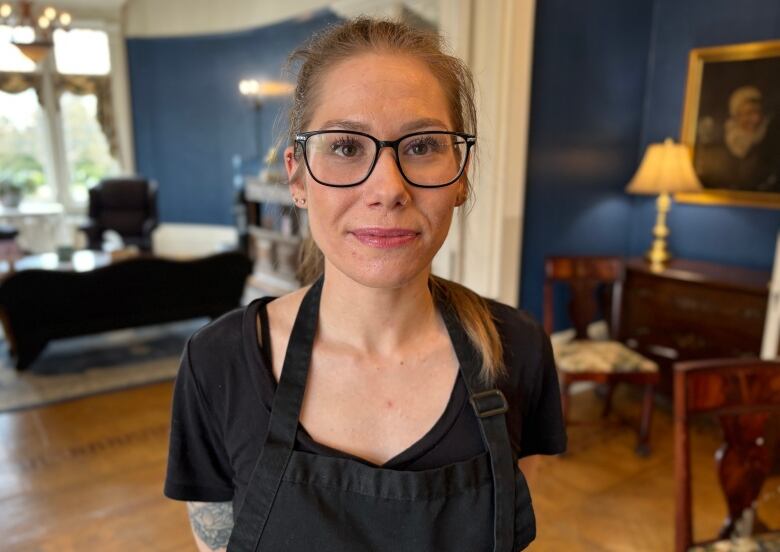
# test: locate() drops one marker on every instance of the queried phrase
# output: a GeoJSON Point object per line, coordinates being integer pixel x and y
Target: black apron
{"type": "Point", "coordinates": [298, 501]}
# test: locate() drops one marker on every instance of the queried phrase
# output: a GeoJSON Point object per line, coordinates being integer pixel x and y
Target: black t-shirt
{"type": "Point", "coordinates": [225, 386]}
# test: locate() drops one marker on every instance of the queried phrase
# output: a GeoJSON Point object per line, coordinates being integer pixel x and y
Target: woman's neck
{"type": "Point", "coordinates": [375, 321]}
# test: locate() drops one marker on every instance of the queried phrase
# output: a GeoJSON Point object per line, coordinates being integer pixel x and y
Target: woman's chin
{"type": "Point", "coordinates": [383, 275]}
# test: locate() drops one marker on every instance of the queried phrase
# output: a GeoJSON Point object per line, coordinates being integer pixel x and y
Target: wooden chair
{"type": "Point", "coordinates": [603, 361]}
{"type": "Point", "coordinates": [744, 394]}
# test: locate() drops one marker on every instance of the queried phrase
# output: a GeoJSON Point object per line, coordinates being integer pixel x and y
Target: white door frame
{"type": "Point", "coordinates": [484, 249]}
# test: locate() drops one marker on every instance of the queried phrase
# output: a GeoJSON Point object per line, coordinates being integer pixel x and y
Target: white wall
{"type": "Point", "coordinates": [145, 18]}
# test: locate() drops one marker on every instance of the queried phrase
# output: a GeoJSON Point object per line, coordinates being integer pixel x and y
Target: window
{"type": "Point", "coordinates": [86, 149]}
{"type": "Point", "coordinates": [11, 59]}
{"type": "Point", "coordinates": [58, 144]}
{"type": "Point", "coordinates": [81, 52]}
{"type": "Point", "coordinates": [22, 139]}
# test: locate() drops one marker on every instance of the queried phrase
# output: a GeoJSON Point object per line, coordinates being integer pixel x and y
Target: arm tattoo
{"type": "Point", "coordinates": [212, 522]}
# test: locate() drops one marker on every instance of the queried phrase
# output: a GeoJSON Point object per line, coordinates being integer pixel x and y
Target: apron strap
{"type": "Point", "coordinates": [282, 428]}
{"type": "Point", "coordinates": [489, 405]}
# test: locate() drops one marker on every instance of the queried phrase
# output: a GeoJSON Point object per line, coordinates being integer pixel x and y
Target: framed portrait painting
{"type": "Point", "coordinates": [731, 122]}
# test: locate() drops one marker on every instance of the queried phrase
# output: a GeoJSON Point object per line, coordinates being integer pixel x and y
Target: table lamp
{"type": "Point", "coordinates": [665, 169]}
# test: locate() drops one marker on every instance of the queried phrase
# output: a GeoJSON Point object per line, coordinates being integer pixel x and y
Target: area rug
{"type": "Point", "coordinates": [82, 366]}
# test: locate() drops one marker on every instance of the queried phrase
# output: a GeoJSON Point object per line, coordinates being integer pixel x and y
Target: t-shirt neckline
{"type": "Point", "coordinates": [414, 452]}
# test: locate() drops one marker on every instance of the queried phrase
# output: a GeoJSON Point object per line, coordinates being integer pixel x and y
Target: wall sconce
{"type": "Point", "coordinates": [260, 90]}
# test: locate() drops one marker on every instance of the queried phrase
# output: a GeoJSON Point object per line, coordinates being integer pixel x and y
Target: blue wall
{"type": "Point", "coordinates": [190, 119]}
{"type": "Point", "coordinates": [609, 78]}
{"type": "Point", "coordinates": [731, 235]}
{"type": "Point", "coordinates": [590, 61]}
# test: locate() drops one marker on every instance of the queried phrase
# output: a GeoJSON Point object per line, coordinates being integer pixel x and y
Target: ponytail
{"type": "Point", "coordinates": [474, 313]}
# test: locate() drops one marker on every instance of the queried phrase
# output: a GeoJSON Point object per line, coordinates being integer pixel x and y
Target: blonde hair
{"type": "Point", "coordinates": [360, 36]}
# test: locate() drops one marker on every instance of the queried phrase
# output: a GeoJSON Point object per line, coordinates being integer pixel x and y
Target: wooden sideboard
{"type": "Point", "coordinates": [693, 310]}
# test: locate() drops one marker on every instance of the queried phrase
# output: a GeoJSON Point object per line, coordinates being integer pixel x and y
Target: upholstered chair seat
{"type": "Point", "coordinates": [594, 286]}
{"type": "Point", "coordinates": [606, 357]}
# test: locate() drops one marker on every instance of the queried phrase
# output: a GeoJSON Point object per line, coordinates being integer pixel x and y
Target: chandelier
{"type": "Point", "coordinates": [40, 27]}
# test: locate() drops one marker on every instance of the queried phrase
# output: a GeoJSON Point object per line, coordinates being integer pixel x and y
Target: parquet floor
{"type": "Point", "coordinates": [87, 475]}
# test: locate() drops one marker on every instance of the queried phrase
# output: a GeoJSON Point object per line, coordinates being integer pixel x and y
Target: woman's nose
{"type": "Point", "coordinates": [386, 185]}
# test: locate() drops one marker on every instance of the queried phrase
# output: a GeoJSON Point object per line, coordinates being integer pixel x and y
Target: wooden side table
{"type": "Point", "coordinates": [693, 310]}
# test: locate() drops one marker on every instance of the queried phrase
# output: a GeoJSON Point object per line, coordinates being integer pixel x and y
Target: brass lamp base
{"type": "Point", "coordinates": [658, 254]}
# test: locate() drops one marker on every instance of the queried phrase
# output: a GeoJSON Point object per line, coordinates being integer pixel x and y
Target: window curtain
{"type": "Point", "coordinates": [100, 86]}
{"type": "Point", "coordinates": [16, 83]}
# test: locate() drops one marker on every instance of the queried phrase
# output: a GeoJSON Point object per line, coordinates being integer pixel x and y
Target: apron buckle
{"type": "Point", "coordinates": [489, 403]}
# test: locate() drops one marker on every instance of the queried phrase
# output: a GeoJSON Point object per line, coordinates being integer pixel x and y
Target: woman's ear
{"type": "Point", "coordinates": [463, 184]}
{"type": "Point", "coordinates": [294, 176]}
{"type": "Point", "coordinates": [290, 162]}
{"type": "Point", "coordinates": [463, 192]}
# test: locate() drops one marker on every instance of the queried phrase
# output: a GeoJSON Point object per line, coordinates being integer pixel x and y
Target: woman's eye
{"type": "Point", "coordinates": [345, 148]}
{"type": "Point", "coordinates": [420, 148]}
{"type": "Point", "coordinates": [425, 146]}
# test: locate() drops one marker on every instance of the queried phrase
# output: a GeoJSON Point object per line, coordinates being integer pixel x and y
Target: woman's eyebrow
{"type": "Point", "coordinates": [422, 123]}
{"type": "Point", "coordinates": [411, 126]}
{"type": "Point", "coordinates": [346, 124]}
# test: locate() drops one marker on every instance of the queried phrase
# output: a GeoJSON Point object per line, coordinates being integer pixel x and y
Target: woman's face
{"type": "Point", "coordinates": [749, 116]}
{"type": "Point", "coordinates": [383, 232]}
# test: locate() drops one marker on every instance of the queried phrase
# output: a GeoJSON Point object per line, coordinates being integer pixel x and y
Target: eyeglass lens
{"type": "Point", "coordinates": [338, 158]}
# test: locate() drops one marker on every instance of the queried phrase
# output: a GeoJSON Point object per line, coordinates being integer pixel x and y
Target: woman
{"type": "Point", "coordinates": [379, 408]}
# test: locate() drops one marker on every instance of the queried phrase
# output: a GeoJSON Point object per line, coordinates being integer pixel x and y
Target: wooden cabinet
{"type": "Point", "coordinates": [693, 310]}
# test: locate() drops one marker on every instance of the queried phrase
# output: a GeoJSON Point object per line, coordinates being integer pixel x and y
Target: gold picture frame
{"type": "Point", "coordinates": [720, 78]}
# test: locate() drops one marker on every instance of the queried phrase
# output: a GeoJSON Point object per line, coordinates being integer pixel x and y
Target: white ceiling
{"type": "Point", "coordinates": [91, 4]}
{"type": "Point", "coordinates": [185, 17]}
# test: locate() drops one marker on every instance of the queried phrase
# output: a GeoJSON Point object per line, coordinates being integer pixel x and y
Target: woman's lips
{"type": "Point", "coordinates": [384, 238]}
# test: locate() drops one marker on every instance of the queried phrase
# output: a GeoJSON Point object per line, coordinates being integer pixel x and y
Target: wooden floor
{"type": "Point", "coordinates": [87, 475]}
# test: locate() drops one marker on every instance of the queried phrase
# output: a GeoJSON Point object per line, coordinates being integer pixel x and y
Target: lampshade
{"type": "Point", "coordinates": [666, 168]}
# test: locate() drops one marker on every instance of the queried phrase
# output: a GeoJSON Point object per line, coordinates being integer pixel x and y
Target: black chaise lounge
{"type": "Point", "coordinates": [37, 306]}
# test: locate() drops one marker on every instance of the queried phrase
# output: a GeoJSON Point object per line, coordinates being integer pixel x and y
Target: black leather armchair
{"type": "Point", "coordinates": [126, 205]}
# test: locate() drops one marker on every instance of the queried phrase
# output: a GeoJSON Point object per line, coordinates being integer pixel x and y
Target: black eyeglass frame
{"type": "Point", "coordinates": [302, 137]}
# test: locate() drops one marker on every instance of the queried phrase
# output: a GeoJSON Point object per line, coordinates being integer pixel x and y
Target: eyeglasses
{"type": "Point", "coordinates": [343, 158]}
